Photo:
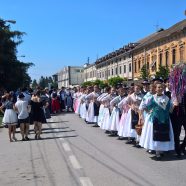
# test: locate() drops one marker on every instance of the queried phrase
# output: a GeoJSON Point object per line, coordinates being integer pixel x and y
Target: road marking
{"type": "Point", "coordinates": [85, 181]}
{"type": "Point", "coordinates": [74, 162]}
{"type": "Point", "coordinates": [66, 147]}
{"type": "Point", "coordinates": [61, 139]}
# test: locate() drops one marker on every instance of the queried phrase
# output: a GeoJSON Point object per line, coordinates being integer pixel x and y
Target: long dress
{"type": "Point", "coordinates": [101, 108]}
{"type": "Point", "coordinates": [77, 102]}
{"type": "Point", "coordinates": [146, 116]}
{"type": "Point", "coordinates": [83, 110]}
{"type": "Point", "coordinates": [93, 108]}
{"type": "Point", "coordinates": [124, 117]}
{"type": "Point", "coordinates": [114, 118]}
{"type": "Point", "coordinates": [107, 109]}
{"type": "Point", "coordinates": [10, 116]}
{"type": "Point", "coordinates": [134, 101]}
{"type": "Point", "coordinates": [159, 136]}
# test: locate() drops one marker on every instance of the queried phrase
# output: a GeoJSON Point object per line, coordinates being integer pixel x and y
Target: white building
{"type": "Point", "coordinates": [70, 76]}
{"type": "Point", "coordinates": [90, 72]}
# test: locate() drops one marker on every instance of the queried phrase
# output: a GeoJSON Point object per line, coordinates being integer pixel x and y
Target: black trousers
{"type": "Point", "coordinates": [177, 123]}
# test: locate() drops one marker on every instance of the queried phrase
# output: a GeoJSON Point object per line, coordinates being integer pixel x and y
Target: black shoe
{"type": "Point", "coordinates": [107, 132]}
{"type": "Point", "coordinates": [120, 138]}
{"type": "Point", "coordinates": [23, 139]}
{"type": "Point", "coordinates": [26, 138]}
{"type": "Point", "coordinates": [130, 142]}
{"type": "Point", "coordinates": [96, 125]}
{"type": "Point", "coordinates": [36, 136]}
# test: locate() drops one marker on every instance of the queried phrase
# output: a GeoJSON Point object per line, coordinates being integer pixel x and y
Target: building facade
{"type": "Point", "coordinates": [70, 76]}
{"type": "Point", "coordinates": [90, 72]}
{"type": "Point", "coordinates": [163, 48]}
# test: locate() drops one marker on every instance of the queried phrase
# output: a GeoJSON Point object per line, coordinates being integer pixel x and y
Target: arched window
{"type": "Point", "coordinates": [166, 58]}
{"type": "Point", "coordinates": [139, 65]}
{"type": "Point", "coordinates": [135, 69]}
{"type": "Point", "coordinates": [174, 56]}
{"type": "Point", "coordinates": [160, 59]}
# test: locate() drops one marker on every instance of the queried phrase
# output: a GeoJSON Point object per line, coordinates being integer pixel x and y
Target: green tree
{"type": "Point", "coordinates": [34, 84]}
{"type": "Point", "coordinates": [163, 72]}
{"type": "Point", "coordinates": [13, 73]}
{"type": "Point", "coordinates": [115, 81]}
{"type": "Point", "coordinates": [87, 83]}
{"type": "Point", "coordinates": [144, 73]}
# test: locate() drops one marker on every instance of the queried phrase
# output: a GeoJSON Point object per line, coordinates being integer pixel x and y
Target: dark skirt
{"type": "Point", "coordinates": [160, 130]}
{"type": "Point", "coordinates": [134, 118]}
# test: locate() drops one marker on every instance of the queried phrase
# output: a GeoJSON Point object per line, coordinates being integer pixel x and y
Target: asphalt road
{"type": "Point", "coordinates": [73, 153]}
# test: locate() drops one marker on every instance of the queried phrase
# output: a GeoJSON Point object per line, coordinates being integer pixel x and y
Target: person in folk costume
{"type": "Point", "coordinates": [134, 101]}
{"type": "Point", "coordinates": [107, 109]}
{"type": "Point", "coordinates": [145, 116]}
{"type": "Point", "coordinates": [55, 102]}
{"type": "Point", "coordinates": [68, 100]}
{"type": "Point", "coordinates": [101, 108]}
{"type": "Point", "coordinates": [83, 104]}
{"type": "Point", "coordinates": [10, 117]}
{"type": "Point", "coordinates": [127, 122]}
{"type": "Point", "coordinates": [124, 108]}
{"type": "Point", "coordinates": [160, 135]}
{"type": "Point", "coordinates": [62, 95]}
{"type": "Point", "coordinates": [77, 100]}
{"type": "Point", "coordinates": [93, 108]}
{"type": "Point", "coordinates": [145, 88]}
{"type": "Point", "coordinates": [115, 115]}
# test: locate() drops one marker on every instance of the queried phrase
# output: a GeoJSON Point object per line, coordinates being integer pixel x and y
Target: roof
{"type": "Point", "coordinates": [161, 34]}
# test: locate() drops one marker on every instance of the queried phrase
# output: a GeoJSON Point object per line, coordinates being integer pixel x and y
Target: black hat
{"type": "Point", "coordinates": [166, 80]}
{"type": "Point", "coordinates": [145, 82]}
{"type": "Point", "coordinates": [157, 79]}
{"type": "Point", "coordinates": [21, 95]}
{"type": "Point", "coordinates": [125, 86]}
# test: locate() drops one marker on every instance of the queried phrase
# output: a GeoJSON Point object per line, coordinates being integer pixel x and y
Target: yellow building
{"type": "Point", "coordinates": [165, 47]}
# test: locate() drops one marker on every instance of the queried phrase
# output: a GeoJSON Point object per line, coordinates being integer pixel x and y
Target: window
{"type": "Point", "coordinates": [120, 69]}
{"type": "Point", "coordinates": [181, 54]}
{"type": "Point", "coordinates": [167, 59]}
{"type": "Point", "coordinates": [102, 74]}
{"type": "Point", "coordinates": [160, 59]}
{"type": "Point", "coordinates": [130, 67]}
{"type": "Point", "coordinates": [125, 68]}
{"type": "Point", "coordinates": [112, 72]}
{"type": "Point", "coordinates": [77, 70]}
{"type": "Point", "coordinates": [116, 71]}
{"type": "Point", "coordinates": [135, 69]}
{"type": "Point", "coordinates": [139, 65]}
{"type": "Point", "coordinates": [109, 72]}
{"type": "Point", "coordinates": [105, 73]}
{"type": "Point", "coordinates": [174, 56]}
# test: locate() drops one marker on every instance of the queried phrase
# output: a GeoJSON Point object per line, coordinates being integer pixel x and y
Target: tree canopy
{"type": "Point", "coordinates": [13, 72]}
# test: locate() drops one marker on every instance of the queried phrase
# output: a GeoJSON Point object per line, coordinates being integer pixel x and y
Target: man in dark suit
{"type": "Point", "coordinates": [178, 118]}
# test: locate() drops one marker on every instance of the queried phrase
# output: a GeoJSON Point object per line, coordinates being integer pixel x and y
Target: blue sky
{"type": "Point", "coordinates": [67, 32]}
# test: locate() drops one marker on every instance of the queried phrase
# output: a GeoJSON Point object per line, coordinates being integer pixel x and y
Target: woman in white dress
{"type": "Point", "coordinates": [10, 117]}
{"type": "Point", "coordinates": [115, 115]}
{"type": "Point", "coordinates": [93, 108]}
{"type": "Point", "coordinates": [107, 109]}
{"type": "Point", "coordinates": [145, 115]}
{"type": "Point", "coordinates": [101, 108]}
{"type": "Point", "coordinates": [134, 101]}
{"type": "Point", "coordinates": [159, 136]}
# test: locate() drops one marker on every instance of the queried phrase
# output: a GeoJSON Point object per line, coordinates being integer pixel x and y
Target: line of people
{"type": "Point", "coordinates": [147, 117]}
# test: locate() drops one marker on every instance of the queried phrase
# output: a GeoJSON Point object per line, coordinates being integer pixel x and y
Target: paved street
{"type": "Point", "coordinates": [73, 153]}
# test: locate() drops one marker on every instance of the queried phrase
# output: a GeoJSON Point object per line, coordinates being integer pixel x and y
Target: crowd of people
{"type": "Point", "coordinates": [25, 107]}
{"type": "Point", "coordinates": [144, 115]}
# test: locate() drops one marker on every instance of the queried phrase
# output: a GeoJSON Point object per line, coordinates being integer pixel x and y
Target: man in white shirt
{"type": "Point", "coordinates": [23, 116]}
